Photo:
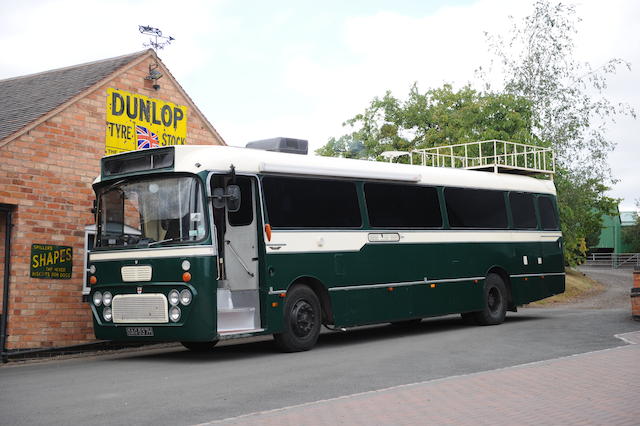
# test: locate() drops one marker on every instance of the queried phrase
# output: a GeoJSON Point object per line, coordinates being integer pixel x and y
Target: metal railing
{"type": "Point", "coordinates": [493, 155]}
{"type": "Point", "coordinates": [613, 260]}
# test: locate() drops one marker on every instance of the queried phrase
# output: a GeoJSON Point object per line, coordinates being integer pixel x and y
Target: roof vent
{"type": "Point", "coordinates": [289, 145]}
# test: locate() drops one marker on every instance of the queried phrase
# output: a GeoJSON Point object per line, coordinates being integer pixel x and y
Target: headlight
{"type": "Point", "coordinates": [92, 269]}
{"type": "Point", "coordinates": [97, 298]}
{"type": "Point", "coordinates": [186, 265]}
{"type": "Point", "coordinates": [106, 314]}
{"type": "Point", "coordinates": [174, 313]}
{"type": "Point", "coordinates": [185, 297]}
{"type": "Point", "coordinates": [106, 298]}
{"type": "Point", "coordinates": [174, 297]}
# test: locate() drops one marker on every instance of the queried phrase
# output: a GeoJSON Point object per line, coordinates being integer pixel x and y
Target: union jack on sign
{"type": "Point", "coordinates": [146, 138]}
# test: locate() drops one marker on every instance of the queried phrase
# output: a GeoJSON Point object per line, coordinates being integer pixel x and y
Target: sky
{"type": "Point", "coordinates": [261, 69]}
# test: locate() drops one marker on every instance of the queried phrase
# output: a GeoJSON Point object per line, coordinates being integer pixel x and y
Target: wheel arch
{"type": "Point", "coordinates": [321, 292]}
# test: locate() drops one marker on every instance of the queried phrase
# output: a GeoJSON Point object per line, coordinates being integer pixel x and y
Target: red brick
{"type": "Point", "coordinates": [53, 194]}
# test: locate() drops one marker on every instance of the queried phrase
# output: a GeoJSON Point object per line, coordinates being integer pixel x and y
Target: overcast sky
{"type": "Point", "coordinates": [259, 69]}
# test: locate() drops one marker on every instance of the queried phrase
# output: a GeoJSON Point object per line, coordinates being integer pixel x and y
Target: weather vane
{"type": "Point", "coordinates": [157, 40]}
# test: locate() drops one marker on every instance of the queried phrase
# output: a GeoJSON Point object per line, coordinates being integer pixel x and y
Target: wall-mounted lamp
{"type": "Point", "coordinates": [154, 75]}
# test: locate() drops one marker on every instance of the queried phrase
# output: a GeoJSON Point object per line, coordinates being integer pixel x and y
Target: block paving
{"type": "Point", "coordinates": [596, 388]}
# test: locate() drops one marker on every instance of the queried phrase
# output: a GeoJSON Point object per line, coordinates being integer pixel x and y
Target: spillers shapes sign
{"type": "Point", "coordinates": [137, 122]}
{"type": "Point", "coordinates": [52, 262]}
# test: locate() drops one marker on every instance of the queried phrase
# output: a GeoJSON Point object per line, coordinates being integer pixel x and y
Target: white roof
{"type": "Point", "coordinates": [196, 158]}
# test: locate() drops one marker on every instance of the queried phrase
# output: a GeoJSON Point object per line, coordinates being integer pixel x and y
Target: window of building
{"type": "Point", "coordinates": [402, 206]}
{"type": "Point", "coordinates": [523, 210]}
{"type": "Point", "coordinates": [311, 203]}
{"type": "Point", "coordinates": [548, 216]}
{"type": "Point", "coordinates": [475, 208]}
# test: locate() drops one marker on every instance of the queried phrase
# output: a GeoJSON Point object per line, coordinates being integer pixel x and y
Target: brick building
{"type": "Point", "coordinates": [54, 128]}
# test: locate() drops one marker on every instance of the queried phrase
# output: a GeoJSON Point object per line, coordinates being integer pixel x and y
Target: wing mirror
{"type": "Point", "coordinates": [230, 198]}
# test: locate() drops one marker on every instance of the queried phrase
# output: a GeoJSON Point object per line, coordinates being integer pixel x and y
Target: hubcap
{"type": "Point", "coordinates": [302, 318]}
{"type": "Point", "coordinates": [494, 300]}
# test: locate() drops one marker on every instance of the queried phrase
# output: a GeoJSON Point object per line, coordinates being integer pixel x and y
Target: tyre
{"type": "Point", "coordinates": [494, 302]}
{"type": "Point", "coordinates": [302, 320]}
{"type": "Point", "coordinates": [200, 346]}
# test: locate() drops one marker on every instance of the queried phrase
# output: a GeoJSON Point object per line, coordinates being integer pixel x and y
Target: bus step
{"type": "Point", "coordinates": [224, 299]}
{"type": "Point", "coordinates": [236, 319]}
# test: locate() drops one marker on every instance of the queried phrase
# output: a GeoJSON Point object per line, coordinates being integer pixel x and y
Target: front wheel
{"type": "Point", "coordinates": [494, 302]}
{"type": "Point", "coordinates": [302, 317]}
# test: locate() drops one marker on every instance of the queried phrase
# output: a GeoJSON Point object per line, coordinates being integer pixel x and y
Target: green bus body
{"type": "Point", "coordinates": [384, 280]}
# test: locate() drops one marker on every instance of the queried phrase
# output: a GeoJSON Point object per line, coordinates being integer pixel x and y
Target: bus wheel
{"type": "Point", "coordinates": [495, 301]}
{"type": "Point", "coordinates": [199, 346]}
{"type": "Point", "coordinates": [302, 317]}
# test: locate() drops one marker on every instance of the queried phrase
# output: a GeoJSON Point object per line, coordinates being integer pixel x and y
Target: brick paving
{"type": "Point", "coordinates": [596, 388]}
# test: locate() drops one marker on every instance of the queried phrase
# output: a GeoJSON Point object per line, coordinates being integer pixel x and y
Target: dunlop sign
{"type": "Point", "coordinates": [52, 262]}
{"type": "Point", "coordinates": [137, 122]}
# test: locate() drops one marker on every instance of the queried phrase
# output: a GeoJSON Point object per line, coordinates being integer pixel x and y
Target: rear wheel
{"type": "Point", "coordinates": [302, 320]}
{"type": "Point", "coordinates": [200, 346]}
{"type": "Point", "coordinates": [495, 302]}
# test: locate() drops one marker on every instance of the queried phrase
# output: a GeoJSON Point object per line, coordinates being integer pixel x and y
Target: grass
{"type": "Point", "coordinates": [578, 287]}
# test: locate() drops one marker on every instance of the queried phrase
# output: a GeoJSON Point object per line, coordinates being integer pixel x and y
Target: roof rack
{"type": "Point", "coordinates": [492, 156]}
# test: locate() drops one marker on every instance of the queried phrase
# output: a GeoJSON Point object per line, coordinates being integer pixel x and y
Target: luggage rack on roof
{"type": "Point", "coordinates": [491, 156]}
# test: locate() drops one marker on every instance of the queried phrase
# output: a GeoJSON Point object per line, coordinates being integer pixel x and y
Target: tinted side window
{"type": "Point", "coordinates": [548, 217]}
{"type": "Point", "coordinates": [402, 206]}
{"type": "Point", "coordinates": [523, 210]}
{"type": "Point", "coordinates": [244, 216]}
{"type": "Point", "coordinates": [475, 208]}
{"type": "Point", "coordinates": [311, 203]}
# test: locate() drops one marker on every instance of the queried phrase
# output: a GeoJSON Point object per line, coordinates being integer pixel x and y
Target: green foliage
{"type": "Point", "coordinates": [568, 106]}
{"type": "Point", "coordinates": [547, 98]}
{"type": "Point", "coordinates": [441, 116]}
{"type": "Point", "coordinates": [582, 203]}
{"type": "Point", "coordinates": [569, 113]}
{"type": "Point", "coordinates": [631, 235]}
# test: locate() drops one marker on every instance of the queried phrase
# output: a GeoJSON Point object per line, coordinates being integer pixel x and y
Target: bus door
{"type": "Point", "coordinates": [237, 240]}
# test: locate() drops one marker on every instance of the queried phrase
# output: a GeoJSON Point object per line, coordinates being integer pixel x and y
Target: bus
{"type": "Point", "coordinates": [197, 244]}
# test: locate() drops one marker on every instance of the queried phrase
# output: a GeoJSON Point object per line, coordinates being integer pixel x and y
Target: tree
{"type": "Point", "coordinates": [441, 116]}
{"type": "Point", "coordinates": [568, 106]}
{"type": "Point", "coordinates": [569, 112]}
{"type": "Point", "coordinates": [631, 234]}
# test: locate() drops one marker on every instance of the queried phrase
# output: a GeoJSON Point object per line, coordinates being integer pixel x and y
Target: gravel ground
{"type": "Point", "coordinates": [617, 282]}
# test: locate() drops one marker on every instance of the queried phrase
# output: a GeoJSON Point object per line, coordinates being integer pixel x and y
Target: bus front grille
{"type": "Point", "coordinates": [140, 308]}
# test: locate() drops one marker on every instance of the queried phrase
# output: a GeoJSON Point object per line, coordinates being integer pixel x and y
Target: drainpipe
{"type": "Point", "coordinates": [5, 293]}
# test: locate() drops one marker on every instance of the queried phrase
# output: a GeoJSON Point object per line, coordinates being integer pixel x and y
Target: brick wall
{"type": "Point", "coordinates": [47, 173]}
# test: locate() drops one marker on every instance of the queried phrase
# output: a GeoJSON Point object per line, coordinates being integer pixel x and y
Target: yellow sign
{"type": "Point", "coordinates": [137, 122]}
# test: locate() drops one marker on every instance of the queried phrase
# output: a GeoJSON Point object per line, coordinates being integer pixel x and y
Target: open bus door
{"type": "Point", "coordinates": [237, 240]}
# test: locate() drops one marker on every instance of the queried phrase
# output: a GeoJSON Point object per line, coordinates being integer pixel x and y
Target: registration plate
{"type": "Point", "coordinates": [139, 331]}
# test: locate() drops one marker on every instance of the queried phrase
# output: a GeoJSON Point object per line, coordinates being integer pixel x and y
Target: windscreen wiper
{"type": "Point", "coordinates": [153, 243]}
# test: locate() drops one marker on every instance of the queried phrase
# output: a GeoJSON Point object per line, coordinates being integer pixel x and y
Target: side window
{"type": "Point", "coordinates": [548, 217]}
{"type": "Point", "coordinates": [311, 203]}
{"type": "Point", "coordinates": [402, 206]}
{"type": "Point", "coordinates": [244, 216]}
{"type": "Point", "coordinates": [475, 208]}
{"type": "Point", "coordinates": [523, 210]}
